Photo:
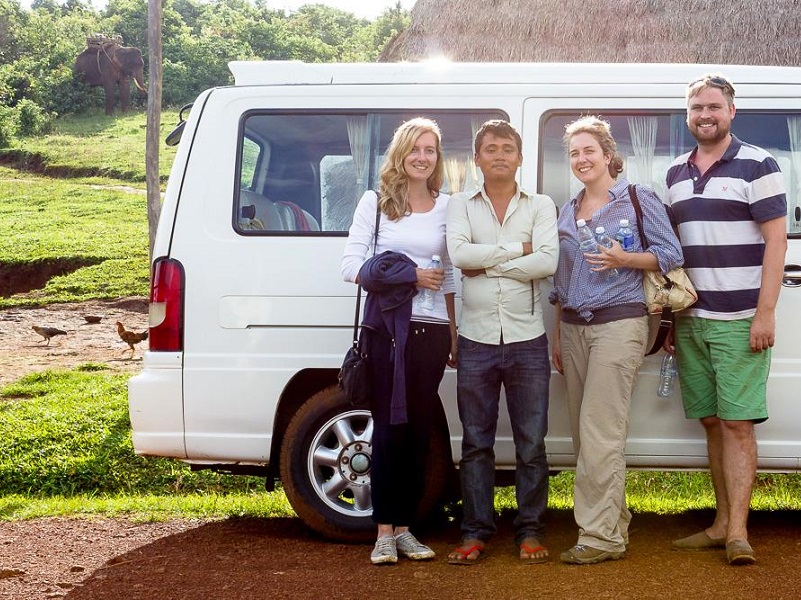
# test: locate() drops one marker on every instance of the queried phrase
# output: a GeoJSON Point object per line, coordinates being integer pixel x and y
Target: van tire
{"type": "Point", "coordinates": [327, 443]}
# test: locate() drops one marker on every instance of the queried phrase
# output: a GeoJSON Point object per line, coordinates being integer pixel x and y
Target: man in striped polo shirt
{"type": "Point", "coordinates": [727, 200]}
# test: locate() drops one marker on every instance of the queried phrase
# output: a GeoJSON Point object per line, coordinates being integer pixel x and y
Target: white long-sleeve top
{"type": "Point", "coordinates": [417, 235]}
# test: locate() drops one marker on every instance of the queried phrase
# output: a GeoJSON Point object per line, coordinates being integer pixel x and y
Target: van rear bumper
{"type": "Point", "coordinates": [155, 406]}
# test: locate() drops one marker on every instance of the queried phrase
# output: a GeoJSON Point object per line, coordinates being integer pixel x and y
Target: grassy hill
{"type": "Point", "coordinates": [74, 203]}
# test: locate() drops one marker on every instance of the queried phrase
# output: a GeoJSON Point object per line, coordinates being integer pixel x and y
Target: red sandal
{"type": "Point", "coordinates": [531, 551]}
{"type": "Point", "coordinates": [463, 553]}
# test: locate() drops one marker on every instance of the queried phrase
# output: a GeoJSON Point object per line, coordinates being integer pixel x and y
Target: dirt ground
{"type": "Point", "coordinates": [109, 559]}
{"type": "Point", "coordinates": [23, 351]}
{"type": "Point", "coordinates": [235, 559]}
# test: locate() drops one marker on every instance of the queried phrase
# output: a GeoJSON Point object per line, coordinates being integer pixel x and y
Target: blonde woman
{"type": "Point", "coordinates": [411, 227]}
{"type": "Point", "coordinates": [601, 332]}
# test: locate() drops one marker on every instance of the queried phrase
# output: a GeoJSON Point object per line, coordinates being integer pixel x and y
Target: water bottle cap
{"type": "Point", "coordinates": [581, 223]}
{"type": "Point", "coordinates": [600, 229]}
{"type": "Point", "coordinates": [435, 257]}
{"type": "Point", "coordinates": [624, 222]}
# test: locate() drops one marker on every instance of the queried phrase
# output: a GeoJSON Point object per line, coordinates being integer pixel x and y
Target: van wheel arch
{"type": "Point", "coordinates": [302, 386]}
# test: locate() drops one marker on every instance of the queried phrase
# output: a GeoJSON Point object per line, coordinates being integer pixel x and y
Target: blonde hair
{"type": "Point", "coordinates": [602, 132]}
{"type": "Point", "coordinates": [712, 80]}
{"type": "Point", "coordinates": [393, 180]}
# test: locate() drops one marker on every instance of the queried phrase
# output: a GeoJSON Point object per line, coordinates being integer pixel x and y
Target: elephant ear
{"type": "Point", "coordinates": [116, 56]}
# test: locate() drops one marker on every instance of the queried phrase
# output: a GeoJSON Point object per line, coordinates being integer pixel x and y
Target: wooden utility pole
{"type": "Point", "coordinates": [153, 120]}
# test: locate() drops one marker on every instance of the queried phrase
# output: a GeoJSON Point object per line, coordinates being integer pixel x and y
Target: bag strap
{"type": "Point", "coordinates": [666, 318]}
{"type": "Point", "coordinates": [359, 290]}
{"type": "Point", "coordinates": [635, 202]}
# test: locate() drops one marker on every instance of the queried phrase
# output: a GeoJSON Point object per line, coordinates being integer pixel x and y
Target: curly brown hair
{"type": "Point", "coordinates": [602, 132]}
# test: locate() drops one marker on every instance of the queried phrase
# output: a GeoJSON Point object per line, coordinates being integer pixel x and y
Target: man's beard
{"type": "Point", "coordinates": [721, 134]}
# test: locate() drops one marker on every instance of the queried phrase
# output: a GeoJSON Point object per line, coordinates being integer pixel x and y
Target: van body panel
{"type": "Point", "coordinates": [156, 407]}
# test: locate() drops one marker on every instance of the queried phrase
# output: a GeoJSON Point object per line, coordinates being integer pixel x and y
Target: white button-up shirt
{"type": "Point", "coordinates": [505, 300]}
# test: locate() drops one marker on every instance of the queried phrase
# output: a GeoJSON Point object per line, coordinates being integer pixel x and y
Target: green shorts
{"type": "Point", "coordinates": [720, 375]}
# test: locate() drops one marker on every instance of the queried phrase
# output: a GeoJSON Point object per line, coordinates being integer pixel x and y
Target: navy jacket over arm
{"type": "Point", "coordinates": [390, 279]}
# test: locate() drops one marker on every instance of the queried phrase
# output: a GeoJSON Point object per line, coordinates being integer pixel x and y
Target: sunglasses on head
{"type": "Point", "coordinates": [714, 80]}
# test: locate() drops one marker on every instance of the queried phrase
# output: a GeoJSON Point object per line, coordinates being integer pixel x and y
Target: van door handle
{"type": "Point", "coordinates": [792, 276]}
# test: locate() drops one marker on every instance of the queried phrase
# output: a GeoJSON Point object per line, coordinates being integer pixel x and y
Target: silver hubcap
{"type": "Point", "coordinates": [339, 463]}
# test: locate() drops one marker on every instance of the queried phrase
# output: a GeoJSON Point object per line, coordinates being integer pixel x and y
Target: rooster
{"type": "Point", "coordinates": [130, 337]}
{"type": "Point", "coordinates": [47, 333]}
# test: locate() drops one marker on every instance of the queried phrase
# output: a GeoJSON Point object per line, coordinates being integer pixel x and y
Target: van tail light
{"type": "Point", "coordinates": [167, 306]}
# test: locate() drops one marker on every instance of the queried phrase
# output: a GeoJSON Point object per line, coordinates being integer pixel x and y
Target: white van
{"type": "Point", "coordinates": [250, 319]}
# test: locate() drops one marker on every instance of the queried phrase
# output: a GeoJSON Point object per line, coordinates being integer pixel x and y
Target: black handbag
{"type": "Point", "coordinates": [354, 375]}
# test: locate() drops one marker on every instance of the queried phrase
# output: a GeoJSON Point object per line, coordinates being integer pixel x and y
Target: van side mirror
{"type": "Point", "coordinates": [174, 136]}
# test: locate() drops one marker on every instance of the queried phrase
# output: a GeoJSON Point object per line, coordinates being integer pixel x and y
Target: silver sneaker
{"type": "Point", "coordinates": [410, 547]}
{"type": "Point", "coordinates": [384, 551]}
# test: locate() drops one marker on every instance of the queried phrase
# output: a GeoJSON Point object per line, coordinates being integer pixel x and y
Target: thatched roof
{"type": "Point", "coordinates": [684, 31]}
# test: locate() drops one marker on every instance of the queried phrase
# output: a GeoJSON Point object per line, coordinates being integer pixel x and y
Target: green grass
{"type": "Point", "coordinates": [64, 433]}
{"type": "Point", "coordinates": [94, 144]}
{"type": "Point", "coordinates": [45, 219]}
{"type": "Point", "coordinates": [671, 492]}
{"type": "Point", "coordinates": [77, 195]}
{"type": "Point", "coordinates": [148, 507]}
{"type": "Point", "coordinates": [65, 449]}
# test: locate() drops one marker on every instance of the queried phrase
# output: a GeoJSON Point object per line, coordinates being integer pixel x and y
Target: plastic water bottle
{"type": "Point", "coordinates": [667, 376]}
{"type": "Point", "coordinates": [604, 240]}
{"type": "Point", "coordinates": [586, 238]}
{"type": "Point", "coordinates": [625, 236]}
{"type": "Point", "coordinates": [426, 296]}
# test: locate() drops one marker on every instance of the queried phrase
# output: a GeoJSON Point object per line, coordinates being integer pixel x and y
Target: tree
{"type": "Point", "coordinates": [12, 20]}
{"type": "Point", "coordinates": [389, 24]}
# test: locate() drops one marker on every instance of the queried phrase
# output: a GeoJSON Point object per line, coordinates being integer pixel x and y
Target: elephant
{"type": "Point", "coordinates": [109, 64]}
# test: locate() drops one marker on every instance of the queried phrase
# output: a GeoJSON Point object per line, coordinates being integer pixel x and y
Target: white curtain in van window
{"type": "Point", "coordinates": [643, 143]}
{"type": "Point", "coordinates": [794, 128]}
{"type": "Point", "coordinates": [473, 179]}
{"type": "Point", "coordinates": [359, 140]}
{"type": "Point", "coordinates": [455, 168]}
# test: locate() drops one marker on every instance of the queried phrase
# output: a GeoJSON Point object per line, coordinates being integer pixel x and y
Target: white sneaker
{"type": "Point", "coordinates": [407, 545]}
{"type": "Point", "coordinates": [384, 551]}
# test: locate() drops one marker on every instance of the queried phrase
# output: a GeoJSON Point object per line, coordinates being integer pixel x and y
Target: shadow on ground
{"type": "Point", "coordinates": [280, 558]}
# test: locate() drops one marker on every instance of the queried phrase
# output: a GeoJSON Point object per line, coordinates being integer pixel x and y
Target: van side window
{"type": "Point", "coordinates": [302, 173]}
{"type": "Point", "coordinates": [649, 142]}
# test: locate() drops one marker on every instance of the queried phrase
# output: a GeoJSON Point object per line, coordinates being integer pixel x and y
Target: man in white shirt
{"type": "Point", "coordinates": [505, 241]}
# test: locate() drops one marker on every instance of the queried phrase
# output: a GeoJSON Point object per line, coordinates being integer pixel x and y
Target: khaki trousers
{"type": "Point", "coordinates": [601, 364]}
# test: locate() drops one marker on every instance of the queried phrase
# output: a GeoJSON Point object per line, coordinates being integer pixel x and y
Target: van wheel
{"type": "Point", "coordinates": [326, 458]}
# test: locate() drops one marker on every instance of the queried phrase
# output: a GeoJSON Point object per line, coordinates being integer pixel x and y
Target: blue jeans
{"type": "Point", "coordinates": [524, 371]}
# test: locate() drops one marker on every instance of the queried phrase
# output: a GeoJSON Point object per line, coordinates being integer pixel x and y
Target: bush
{"type": "Point", "coordinates": [71, 96]}
{"type": "Point", "coordinates": [8, 126]}
{"type": "Point", "coordinates": [32, 119]}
